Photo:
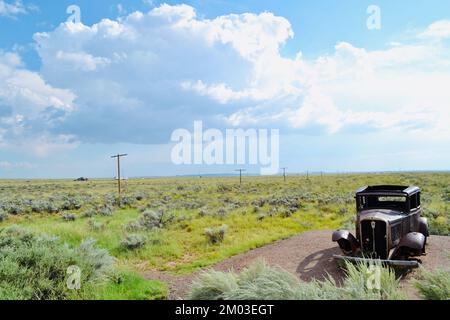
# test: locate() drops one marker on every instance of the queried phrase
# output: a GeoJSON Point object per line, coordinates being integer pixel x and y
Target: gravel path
{"type": "Point", "coordinates": [308, 255]}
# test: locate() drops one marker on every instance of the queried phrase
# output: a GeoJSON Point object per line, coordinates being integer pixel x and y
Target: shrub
{"type": "Point", "coordinates": [105, 210]}
{"type": "Point", "coordinates": [89, 213]}
{"type": "Point", "coordinates": [156, 219]}
{"type": "Point", "coordinates": [71, 203]}
{"type": "Point", "coordinates": [440, 226]}
{"type": "Point", "coordinates": [69, 217]}
{"type": "Point", "coordinates": [203, 212]}
{"type": "Point", "coordinates": [3, 215]}
{"type": "Point", "coordinates": [139, 196]}
{"type": "Point", "coordinates": [134, 241]}
{"type": "Point", "coordinates": [286, 213]}
{"type": "Point", "coordinates": [261, 282]}
{"type": "Point", "coordinates": [434, 285]}
{"type": "Point", "coordinates": [126, 201]}
{"type": "Point", "coordinates": [133, 226]}
{"type": "Point", "coordinates": [216, 235]}
{"type": "Point", "coordinates": [16, 209]}
{"type": "Point", "coordinates": [221, 213]}
{"type": "Point", "coordinates": [213, 285]}
{"type": "Point", "coordinates": [357, 276]}
{"type": "Point", "coordinates": [38, 206]}
{"type": "Point", "coordinates": [96, 225]}
{"type": "Point", "coordinates": [35, 267]}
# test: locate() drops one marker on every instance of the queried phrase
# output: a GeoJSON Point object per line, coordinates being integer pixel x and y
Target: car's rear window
{"type": "Point", "coordinates": [382, 202]}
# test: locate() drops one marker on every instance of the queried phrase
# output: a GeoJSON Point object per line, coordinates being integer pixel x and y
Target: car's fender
{"type": "Point", "coordinates": [423, 226]}
{"type": "Point", "coordinates": [412, 240]}
{"type": "Point", "coordinates": [412, 243]}
{"type": "Point", "coordinates": [347, 242]}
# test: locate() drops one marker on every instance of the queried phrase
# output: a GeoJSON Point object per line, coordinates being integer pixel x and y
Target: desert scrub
{"type": "Point", "coordinates": [96, 225]}
{"type": "Point", "coordinates": [89, 213]}
{"type": "Point", "coordinates": [203, 212]}
{"type": "Point", "coordinates": [221, 213]}
{"type": "Point", "coordinates": [440, 226]}
{"type": "Point", "coordinates": [262, 282]}
{"type": "Point", "coordinates": [216, 235]}
{"type": "Point", "coordinates": [156, 219]}
{"type": "Point", "coordinates": [69, 217]}
{"type": "Point", "coordinates": [214, 285]}
{"type": "Point", "coordinates": [35, 267]}
{"type": "Point", "coordinates": [3, 216]}
{"type": "Point", "coordinates": [134, 241]}
{"type": "Point", "coordinates": [433, 285]}
{"type": "Point", "coordinates": [358, 276]}
{"type": "Point", "coordinates": [106, 210]}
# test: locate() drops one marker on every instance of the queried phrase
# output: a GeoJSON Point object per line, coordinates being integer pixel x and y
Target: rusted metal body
{"type": "Point", "coordinates": [389, 227]}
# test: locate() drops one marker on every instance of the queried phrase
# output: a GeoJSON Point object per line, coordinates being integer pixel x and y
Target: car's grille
{"type": "Point", "coordinates": [368, 241]}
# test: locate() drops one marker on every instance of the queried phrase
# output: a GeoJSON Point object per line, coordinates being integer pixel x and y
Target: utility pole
{"type": "Point", "coordinates": [284, 173]}
{"type": "Point", "coordinates": [307, 175]}
{"type": "Point", "coordinates": [118, 156]}
{"type": "Point", "coordinates": [240, 174]}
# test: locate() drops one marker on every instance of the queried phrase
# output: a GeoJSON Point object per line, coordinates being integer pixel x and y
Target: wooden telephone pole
{"type": "Point", "coordinates": [240, 174]}
{"type": "Point", "coordinates": [284, 173]}
{"type": "Point", "coordinates": [118, 170]}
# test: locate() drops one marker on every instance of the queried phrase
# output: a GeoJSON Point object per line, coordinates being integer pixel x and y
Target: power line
{"type": "Point", "coordinates": [284, 173]}
{"type": "Point", "coordinates": [240, 174]}
{"type": "Point", "coordinates": [118, 156]}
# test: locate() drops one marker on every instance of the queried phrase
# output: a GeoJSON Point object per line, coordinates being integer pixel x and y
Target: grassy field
{"type": "Point", "coordinates": [183, 224]}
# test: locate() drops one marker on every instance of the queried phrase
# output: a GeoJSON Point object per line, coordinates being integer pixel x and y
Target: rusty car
{"type": "Point", "coordinates": [389, 227]}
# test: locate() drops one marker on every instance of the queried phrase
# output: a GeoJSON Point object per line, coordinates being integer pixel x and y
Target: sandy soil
{"type": "Point", "coordinates": [308, 255]}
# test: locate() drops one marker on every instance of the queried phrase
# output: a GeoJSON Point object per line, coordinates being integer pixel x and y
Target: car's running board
{"type": "Point", "coordinates": [394, 263]}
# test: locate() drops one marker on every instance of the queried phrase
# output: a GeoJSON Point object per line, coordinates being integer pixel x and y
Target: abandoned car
{"type": "Point", "coordinates": [389, 227]}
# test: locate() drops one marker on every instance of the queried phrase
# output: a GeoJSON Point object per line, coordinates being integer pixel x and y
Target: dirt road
{"type": "Point", "coordinates": [308, 255]}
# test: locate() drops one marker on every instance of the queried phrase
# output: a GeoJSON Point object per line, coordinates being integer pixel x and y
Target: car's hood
{"type": "Point", "coordinates": [380, 214]}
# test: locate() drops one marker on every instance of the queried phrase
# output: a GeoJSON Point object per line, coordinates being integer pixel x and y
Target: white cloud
{"type": "Point", "coordinates": [438, 30]}
{"type": "Point", "coordinates": [137, 78]}
{"type": "Point", "coordinates": [12, 9]}
{"type": "Point", "coordinates": [29, 108]}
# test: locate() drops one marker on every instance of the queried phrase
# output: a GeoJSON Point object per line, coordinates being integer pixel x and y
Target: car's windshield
{"type": "Point", "coordinates": [382, 202]}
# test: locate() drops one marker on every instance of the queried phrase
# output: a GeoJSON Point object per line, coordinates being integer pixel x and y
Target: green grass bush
{"type": "Point", "coordinates": [134, 241]}
{"type": "Point", "coordinates": [216, 235]}
{"type": "Point", "coordinates": [35, 267]}
{"type": "Point", "coordinates": [261, 282]}
{"type": "Point", "coordinates": [434, 285]}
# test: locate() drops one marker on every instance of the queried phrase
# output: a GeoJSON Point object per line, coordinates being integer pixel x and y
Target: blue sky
{"type": "Point", "coordinates": [345, 98]}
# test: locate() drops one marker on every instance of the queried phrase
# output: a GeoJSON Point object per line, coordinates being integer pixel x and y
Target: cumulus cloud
{"type": "Point", "coordinates": [137, 78]}
{"type": "Point", "coordinates": [438, 30]}
{"type": "Point", "coordinates": [12, 9]}
{"type": "Point", "coordinates": [29, 107]}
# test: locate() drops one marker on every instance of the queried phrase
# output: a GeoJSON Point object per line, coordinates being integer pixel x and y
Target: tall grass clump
{"type": "Point", "coordinates": [134, 241]}
{"type": "Point", "coordinates": [434, 285]}
{"type": "Point", "coordinates": [156, 219]}
{"type": "Point", "coordinates": [35, 267]}
{"type": "Point", "coordinates": [216, 235]}
{"type": "Point", "coordinates": [214, 285]}
{"type": "Point", "coordinates": [355, 286]}
{"type": "Point", "coordinates": [262, 282]}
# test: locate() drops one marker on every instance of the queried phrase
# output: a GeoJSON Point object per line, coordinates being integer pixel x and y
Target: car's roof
{"type": "Point", "coordinates": [388, 189]}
